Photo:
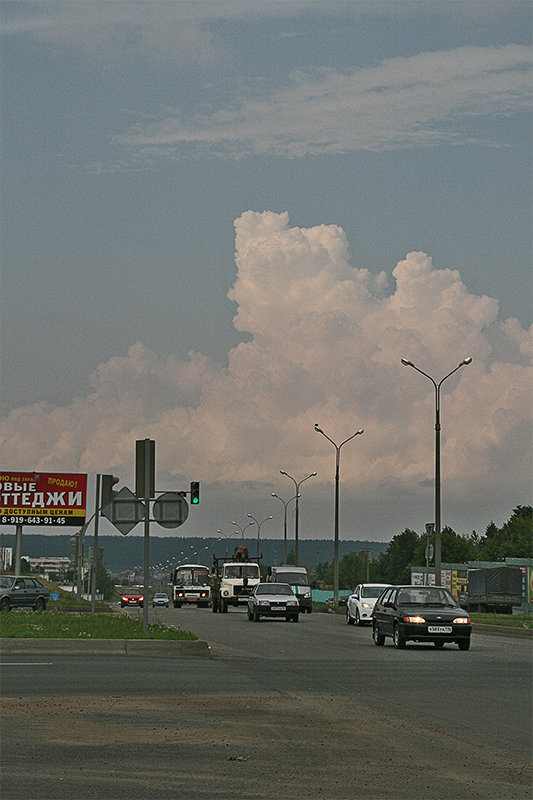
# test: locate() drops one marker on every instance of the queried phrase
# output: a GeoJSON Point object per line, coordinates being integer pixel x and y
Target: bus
{"type": "Point", "coordinates": [190, 585]}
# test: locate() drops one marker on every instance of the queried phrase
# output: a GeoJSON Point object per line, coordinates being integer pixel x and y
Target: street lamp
{"type": "Point", "coordinates": [464, 363]}
{"type": "Point", "coordinates": [242, 529]}
{"type": "Point", "coordinates": [226, 537]}
{"type": "Point", "coordinates": [336, 532]}
{"type": "Point", "coordinates": [285, 504]}
{"type": "Point", "coordinates": [297, 485]}
{"type": "Point", "coordinates": [258, 529]}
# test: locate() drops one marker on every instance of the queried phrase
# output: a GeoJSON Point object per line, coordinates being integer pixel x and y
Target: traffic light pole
{"type": "Point", "coordinates": [146, 567]}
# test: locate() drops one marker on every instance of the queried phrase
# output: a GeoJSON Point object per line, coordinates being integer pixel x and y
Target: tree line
{"type": "Point", "coordinates": [408, 549]}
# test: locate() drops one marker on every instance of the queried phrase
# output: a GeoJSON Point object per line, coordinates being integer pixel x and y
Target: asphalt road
{"type": "Point", "coordinates": [281, 710]}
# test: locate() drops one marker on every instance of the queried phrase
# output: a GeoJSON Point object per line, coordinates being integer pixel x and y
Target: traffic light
{"type": "Point", "coordinates": [106, 490]}
{"type": "Point", "coordinates": [195, 493]}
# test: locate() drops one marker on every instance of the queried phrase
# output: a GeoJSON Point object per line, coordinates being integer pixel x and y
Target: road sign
{"type": "Point", "coordinates": [125, 511]}
{"type": "Point", "coordinates": [170, 510]}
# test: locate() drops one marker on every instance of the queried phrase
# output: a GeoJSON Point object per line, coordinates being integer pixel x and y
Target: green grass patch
{"type": "Point", "coordinates": [24, 624]}
{"type": "Point", "coordinates": [509, 620]}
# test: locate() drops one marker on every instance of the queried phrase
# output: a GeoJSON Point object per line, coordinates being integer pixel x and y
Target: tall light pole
{"type": "Point", "coordinates": [297, 485]}
{"type": "Point", "coordinates": [436, 386]}
{"type": "Point", "coordinates": [242, 529]}
{"type": "Point", "coordinates": [258, 530]}
{"type": "Point", "coordinates": [285, 504]}
{"type": "Point", "coordinates": [226, 537]}
{"type": "Point", "coordinates": [336, 531]}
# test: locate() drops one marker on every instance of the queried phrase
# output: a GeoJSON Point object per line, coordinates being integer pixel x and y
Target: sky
{"type": "Point", "coordinates": [224, 222]}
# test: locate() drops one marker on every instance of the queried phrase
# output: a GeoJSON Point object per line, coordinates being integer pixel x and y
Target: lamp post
{"type": "Point", "coordinates": [285, 504]}
{"type": "Point", "coordinates": [436, 386]}
{"type": "Point", "coordinates": [336, 531]}
{"type": "Point", "coordinates": [258, 530]}
{"type": "Point", "coordinates": [297, 485]}
{"type": "Point", "coordinates": [242, 529]}
{"type": "Point", "coordinates": [226, 537]}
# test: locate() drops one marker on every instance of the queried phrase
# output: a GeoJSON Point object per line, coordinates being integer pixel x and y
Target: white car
{"type": "Point", "coordinates": [361, 602]}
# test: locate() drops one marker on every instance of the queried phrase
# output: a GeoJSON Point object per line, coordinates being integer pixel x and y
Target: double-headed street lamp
{"type": "Point", "coordinates": [241, 530]}
{"type": "Point", "coordinates": [297, 485]}
{"type": "Point", "coordinates": [336, 532]}
{"type": "Point", "coordinates": [464, 363]}
{"type": "Point", "coordinates": [258, 530]}
{"type": "Point", "coordinates": [285, 504]}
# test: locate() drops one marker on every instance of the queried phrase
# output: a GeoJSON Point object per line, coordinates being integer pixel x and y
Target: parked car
{"type": "Point", "coordinates": [361, 602]}
{"type": "Point", "coordinates": [273, 600]}
{"type": "Point", "coordinates": [132, 597]}
{"type": "Point", "coordinates": [16, 592]}
{"type": "Point", "coordinates": [160, 599]}
{"type": "Point", "coordinates": [420, 614]}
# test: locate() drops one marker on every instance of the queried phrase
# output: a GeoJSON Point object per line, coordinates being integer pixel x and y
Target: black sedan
{"type": "Point", "coordinates": [420, 614]}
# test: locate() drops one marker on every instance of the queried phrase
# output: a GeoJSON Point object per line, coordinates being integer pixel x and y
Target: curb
{"type": "Point", "coordinates": [502, 630]}
{"type": "Point", "coordinates": [159, 648]}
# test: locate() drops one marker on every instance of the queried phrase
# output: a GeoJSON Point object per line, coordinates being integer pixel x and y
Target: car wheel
{"type": "Point", "coordinates": [224, 607]}
{"type": "Point", "coordinates": [398, 637]}
{"type": "Point", "coordinates": [256, 615]}
{"type": "Point", "coordinates": [250, 615]}
{"type": "Point", "coordinates": [439, 645]}
{"type": "Point", "coordinates": [349, 618]}
{"type": "Point", "coordinates": [357, 617]}
{"type": "Point", "coordinates": [464, 644]}
{"type": "Point", "coordinates": [39, 604]}
{"type": "Point", "coordinates": [378, 637]}
{"type": "Point", "coordinates": [5, 605]}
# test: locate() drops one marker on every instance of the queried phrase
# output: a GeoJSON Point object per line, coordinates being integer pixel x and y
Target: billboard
{"type": "Point", "coordinates": [42, 498]}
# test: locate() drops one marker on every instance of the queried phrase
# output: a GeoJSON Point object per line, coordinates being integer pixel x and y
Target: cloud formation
{"type": "Point", "coordinates": [422, 100]}
{"type": "Point", "coordinates": [325, 346]}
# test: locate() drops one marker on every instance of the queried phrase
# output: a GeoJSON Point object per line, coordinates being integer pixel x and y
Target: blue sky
{"type": "Point", "coordinates": [146, 294]}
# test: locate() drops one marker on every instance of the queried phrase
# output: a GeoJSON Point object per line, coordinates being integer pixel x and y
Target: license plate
{"type": "Point", "coordinates": [280, 608]}
{"type": "Point", "coordinates": [439, 628]}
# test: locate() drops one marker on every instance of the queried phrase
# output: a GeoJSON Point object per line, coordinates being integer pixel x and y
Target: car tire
{"type": "Point", "coordinates": [224, 607]}
{"type": "Point", "coordinates": [357, 618]}
{"type": "Point", "coordinates": [398, 637]}
{"type": "Point", "coordinates": [464, 644]}
{"type": "Point", "coordinates": [257, 618]}
{"type": "Point", "coordinates": [250, 615]}
{"type": "Point", "coordinates": [40, 605]}
{"type": "Point", "coordinates": [5, 605]}
{"type": "Point", "coordinates": [349, 619]}
{"type": "Point", "coordinates": [378, 637]}
{"type": "Point", "coordinates": [438, 644]}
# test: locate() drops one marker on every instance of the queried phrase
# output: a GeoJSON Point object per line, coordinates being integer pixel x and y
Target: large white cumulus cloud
{"type": "Point", "coordinates": [325, 342]}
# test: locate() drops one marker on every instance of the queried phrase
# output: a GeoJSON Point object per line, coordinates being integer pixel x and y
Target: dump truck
{"type": "Point", "coordinates": [495, 589]}
{"type": "Point", "coordinates": [232, 580]}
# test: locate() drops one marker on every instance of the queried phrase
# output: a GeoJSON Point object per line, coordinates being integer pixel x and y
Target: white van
{"type": "Point", "coordinates": [298, 580]}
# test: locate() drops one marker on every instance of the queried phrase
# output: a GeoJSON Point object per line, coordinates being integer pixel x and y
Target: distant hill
{"type": "Point", "coordinates": [127, 552]}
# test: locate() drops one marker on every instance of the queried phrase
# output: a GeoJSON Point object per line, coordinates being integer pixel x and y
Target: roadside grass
{"type": "Point", "coordinates": [507, 620]}
{"type": "Point", "coordinates": [27, 624]}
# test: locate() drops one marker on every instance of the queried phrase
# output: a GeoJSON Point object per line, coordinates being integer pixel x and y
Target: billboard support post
{"type": "Point", "coordinates": [95, 545]}
{"type": "Point", "coordinates": [18, 548]}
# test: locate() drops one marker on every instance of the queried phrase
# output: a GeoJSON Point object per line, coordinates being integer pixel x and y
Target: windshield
{"type": "Point", "coordinates": [241, 571]}
{"type": "Point", "coordinates": [191, 577]}
{"type": "Point", "coordinates": [293, 578]}
{"type": "Point", "coordinates": [425, 596]}
{"type": "Point", "coordinates": [5, 583]}
{"type": "Point", "coordinates": [274, 588]}
{"type": "Point", "coordinates": [372, 591]}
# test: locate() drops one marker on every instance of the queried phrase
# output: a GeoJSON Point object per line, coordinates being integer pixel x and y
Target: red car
{"type": "Point", "coordinates": [132, 597]}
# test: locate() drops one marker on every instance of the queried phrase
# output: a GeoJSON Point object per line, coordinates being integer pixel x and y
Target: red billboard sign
{"type": "Point", "coordinates": [42, 498]}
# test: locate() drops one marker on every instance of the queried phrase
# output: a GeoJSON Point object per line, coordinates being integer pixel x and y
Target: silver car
{"type": "Point", "coordinates": [17, 592]}
{"type": "Point", "coordinates": [273, 600]}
